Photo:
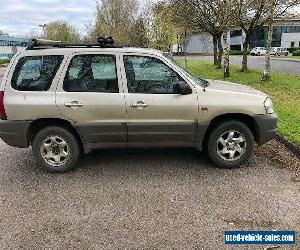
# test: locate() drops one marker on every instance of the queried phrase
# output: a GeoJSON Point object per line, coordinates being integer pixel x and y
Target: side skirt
{"type": "Point", "coordinates": [88, 147]}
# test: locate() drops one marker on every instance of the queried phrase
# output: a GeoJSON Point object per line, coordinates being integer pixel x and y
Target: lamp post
{"type": "Point", "coordinates": [43, 26]}
{"type": "Point", "coordinates": [185, 48]}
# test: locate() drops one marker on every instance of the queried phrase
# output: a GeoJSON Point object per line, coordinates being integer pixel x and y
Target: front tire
{"type": "Point", "coordinates": [56, 149]}
{"type": "Point", "coordinates": [230, 144]}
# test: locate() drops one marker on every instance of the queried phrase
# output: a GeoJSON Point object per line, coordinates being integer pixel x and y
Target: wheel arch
{"type": "Point", "coordinates": [244, 118]}
{"type": "Point", "coordinates": [39, 124]}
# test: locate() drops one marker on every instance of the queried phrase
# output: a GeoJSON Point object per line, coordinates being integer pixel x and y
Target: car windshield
{"type": "Point", "coordinates": [199, 81]}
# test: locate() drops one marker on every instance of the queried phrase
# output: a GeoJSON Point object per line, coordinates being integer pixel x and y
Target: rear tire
{"type": "Point", "coordinates": [55, 149]}
{"type": "Point", "coordinates": [230, 144]}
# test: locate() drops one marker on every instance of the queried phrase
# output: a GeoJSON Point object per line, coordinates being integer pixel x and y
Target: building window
{"type": "Point", "coordinates": [235, 33]}
{"type": "Point", "coordinates": [236, 47]}
{"type": "Point", "coordinates": [292, 44]}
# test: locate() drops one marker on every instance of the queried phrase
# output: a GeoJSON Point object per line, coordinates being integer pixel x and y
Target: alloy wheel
{"type": "Point", "coordinates": [55, 150]}
{"type": "Point", "coordinates": [231, 145]}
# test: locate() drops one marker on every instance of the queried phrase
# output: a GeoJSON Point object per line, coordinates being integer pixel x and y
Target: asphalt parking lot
{"type": "Point", "coordinates": [144, 199]}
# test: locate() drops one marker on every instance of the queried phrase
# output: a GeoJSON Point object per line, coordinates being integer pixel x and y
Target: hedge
{"type": "Point", "coordinates": [291, 50]}
{"type": "Point", "coordinates": [237, 52]}
{"type": "Point", "coordinates": [296, 52]}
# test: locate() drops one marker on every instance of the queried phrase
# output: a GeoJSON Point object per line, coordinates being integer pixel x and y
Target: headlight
{"type": "Point", "coordinates": [269, 106]}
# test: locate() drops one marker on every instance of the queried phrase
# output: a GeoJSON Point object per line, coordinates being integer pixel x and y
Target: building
{"type": "Point", "coordinates": [286, 34]}
{"type": "Point", "coordinates": [200, 43]}
{"type": "Point", "coordinates": [11, 45]}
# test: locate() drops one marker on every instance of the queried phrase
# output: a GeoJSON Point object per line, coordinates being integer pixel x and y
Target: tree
{"type": "Point", "coordinates": [253, 14]}
{"type": "Point", "coordinates": [164, 30]}
{"type": "Point", "coordinates": [140, 36]}
{"type": "Point", "coordinates": [267, 69]}
{"type": "Point", "coordinates": [116, 18]}
{"type": "Point", "coordinates": [249, 16]}
{"type": "Point", "coordinates": [61, 31]}
{"type": "Point", "coordinates": [226, 9]}
{"type": "Point", "coordinates": [278, 9]}
{"type": "Point", "coordinates": [206, 16]}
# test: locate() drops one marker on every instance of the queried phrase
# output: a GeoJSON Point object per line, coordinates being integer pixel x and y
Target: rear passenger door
{"type": "Point", "coordinates": [92, 97]}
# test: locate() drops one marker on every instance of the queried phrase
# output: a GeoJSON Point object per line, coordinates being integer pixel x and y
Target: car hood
{"type": "Point", "coordinates": [233, 87]}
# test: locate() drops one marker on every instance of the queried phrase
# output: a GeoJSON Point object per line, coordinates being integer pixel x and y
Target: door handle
{"type": "Point", "coordinates": [139, 105]}
{"type": "Point", "coordinates": [73, 104]}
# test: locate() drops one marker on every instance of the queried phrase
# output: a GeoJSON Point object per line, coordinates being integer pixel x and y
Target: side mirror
{"type": "Point", "coordinates": [182, 88]}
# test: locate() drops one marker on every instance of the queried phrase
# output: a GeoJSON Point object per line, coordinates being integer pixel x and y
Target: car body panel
{"type": "Point", "coordinates": [167, 118]}
{"type": "Point", "coordinates": [29, 105]}
{"type": "Point", "coordinates": [108, 119]}
{"type": "Point", "coordinates": [219, 101]}
{"type": "Point", "coordinates": [102, 117]}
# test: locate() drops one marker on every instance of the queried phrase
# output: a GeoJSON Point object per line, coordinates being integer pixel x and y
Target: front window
{"type": "Point", "coordinates": [199, 81]}
{"type": "Point", "coordinates": [149, 75]}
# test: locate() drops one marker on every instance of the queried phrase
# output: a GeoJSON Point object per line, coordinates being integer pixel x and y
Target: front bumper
{"type": "Point", "coordinates": [266, 126]}
{"type": "Point", "coordinates": [14, 133]}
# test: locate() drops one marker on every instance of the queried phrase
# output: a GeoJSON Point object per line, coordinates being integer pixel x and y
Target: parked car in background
{"type": "Point", "coordinates": [258, 51]}
{"type": "Point", "coordinates": [279, 51]}
{"type": "Point", "coordinates": [64, 100]}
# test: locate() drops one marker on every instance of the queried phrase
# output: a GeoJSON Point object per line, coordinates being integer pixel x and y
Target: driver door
{"type": "Point", "coordinates": [157, 114]}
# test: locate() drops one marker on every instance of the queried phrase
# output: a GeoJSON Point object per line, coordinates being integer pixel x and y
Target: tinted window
{"type": "Point", "coordinates": [149, 75]}
{"type": "Point", "coordinates": [35, 73]}
{"type": "Point", "coordinates": [92, 73]}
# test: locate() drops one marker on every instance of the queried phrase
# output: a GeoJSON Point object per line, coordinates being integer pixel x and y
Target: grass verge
{"type": "Point", "coordinates": [3, 61]}
{"type": "Point", "coordinates": [284, 90]}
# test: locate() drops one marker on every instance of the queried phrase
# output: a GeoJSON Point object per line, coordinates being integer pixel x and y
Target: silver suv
{"type": "Point", "coordinates": [66, 99]}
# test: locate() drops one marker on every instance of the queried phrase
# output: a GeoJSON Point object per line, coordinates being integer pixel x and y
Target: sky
{"type": "Point", "coordinates": [23, 17]}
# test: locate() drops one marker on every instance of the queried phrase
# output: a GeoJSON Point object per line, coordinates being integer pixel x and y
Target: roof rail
{"type": "Point", "coordinates": [36, 44]}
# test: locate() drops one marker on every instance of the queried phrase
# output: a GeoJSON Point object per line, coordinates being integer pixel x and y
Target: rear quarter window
{"type": "Point", "coordinates": [35, 73]}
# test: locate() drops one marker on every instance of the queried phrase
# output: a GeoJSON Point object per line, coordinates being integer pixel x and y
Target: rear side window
{"type": "Point", "coordinates": [92, 73]}
{"type": "Point", "coordinates": [35, 73]}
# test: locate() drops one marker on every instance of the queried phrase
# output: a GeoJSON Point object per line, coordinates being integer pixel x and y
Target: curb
{"type": "Point", "coordinates": [282, 59]}
{"type": "Point", "coordinates": [288, 60]}
{"type": "Point", "coordinates": [290, 145]}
